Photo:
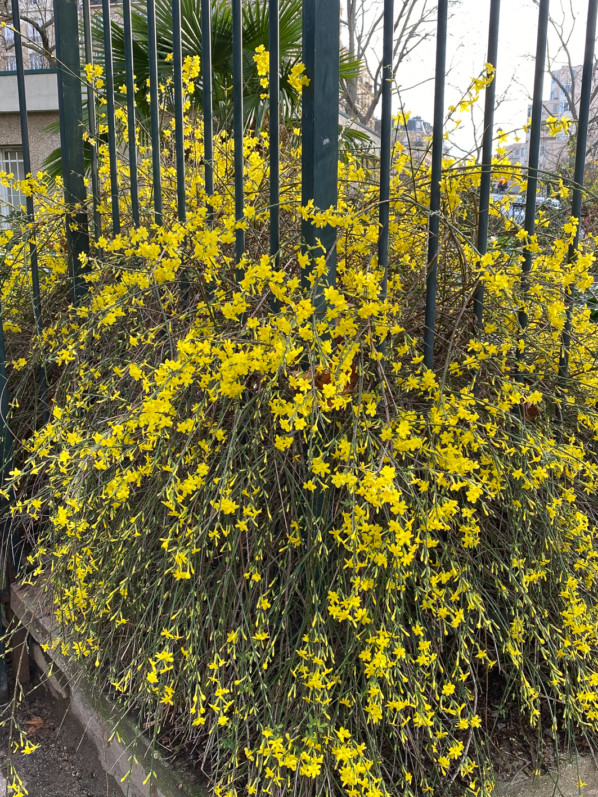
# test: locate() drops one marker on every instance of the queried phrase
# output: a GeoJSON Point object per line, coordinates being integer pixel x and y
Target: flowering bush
{"type": "Point", "coordinates": [265, 525]}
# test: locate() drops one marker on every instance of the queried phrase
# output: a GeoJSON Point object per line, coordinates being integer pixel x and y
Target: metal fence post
{"type": "Point", "coordinates": [435, 177]}
{"type": "Point", "coordinates": [6, 465]}
{"type": "Point", "coordinates": [238, 131]}
{"type": "Point", "coordinates": [93, 129]}
{"type": "Point", "coordinates": [6, 442]}
{"type": "Point", "coordinates": [22, 94]}
{"type": "Point", "coordinates": [206, 80]}
{"type": "Point", "coordinates": [70, 108]}
{"type": "Point", "coordinates": [533, 161]}
{"type": "Point", "coordinates": [154, 108]}
{"type": "Point", "coordinates": [274, 135]}
{"type": "Point", "coordinates": [385, 142]}
{"type": "Point", "coordinates": [131, 113]}
{"type": "Point", "coordinates": [110, 116]}
{"type": "Point", "coordinates": [585, 107]}
{"type": "Point", "coordinates": [487, 144]}
{"type": "Point", "coordinates": [321, 20]}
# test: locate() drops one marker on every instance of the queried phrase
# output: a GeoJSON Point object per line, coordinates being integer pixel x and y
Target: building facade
{"type": "Point", "coordinates": [555, 150]}
{"type": "Point", "coordinates": [41, 90]}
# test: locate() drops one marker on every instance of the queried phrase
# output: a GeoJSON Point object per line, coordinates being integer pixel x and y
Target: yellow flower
{"type": "Point", "coordinates": [297, 78]}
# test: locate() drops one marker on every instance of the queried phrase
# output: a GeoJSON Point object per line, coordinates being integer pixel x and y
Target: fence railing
{"type": "Point", "coordinates": [319, 128]}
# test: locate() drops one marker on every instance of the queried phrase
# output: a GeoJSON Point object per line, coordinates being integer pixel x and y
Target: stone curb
{"type": "Point", "coordinates": [123, 750]}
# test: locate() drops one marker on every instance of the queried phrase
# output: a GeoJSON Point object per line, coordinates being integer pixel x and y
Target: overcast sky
{"type": "Point", "coordinates": [467, 53]}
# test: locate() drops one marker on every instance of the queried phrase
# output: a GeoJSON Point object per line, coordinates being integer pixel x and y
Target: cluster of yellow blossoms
{"type": "Point", "coordinates": [265, 525]}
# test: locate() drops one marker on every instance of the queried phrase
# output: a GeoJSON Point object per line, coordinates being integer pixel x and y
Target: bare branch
{"type": "Point", "coordinates": [412, 25]}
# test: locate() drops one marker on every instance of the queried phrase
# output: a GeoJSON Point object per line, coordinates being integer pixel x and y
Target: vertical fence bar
{"type": "Point", "coordinates": [6, 465]}
{"type": "Point", "coordinates": [6, 451]}
{"type": "Point", "coordinates": [37, 302]}
{"type": "Point", "coordinates": [206, 78]}
{"type": "Point", "coordinates": [131, 113]}
{"type": "Point", "coordinates": [534, 157]}
{"type": "Point", "coordinates": [70, 109]}
{"type": "Point", "coordinates": [16, 19]}
{"type": "Point", "coordinates": [578, 175]}
{"type": "Point", "coordinates": [487, 141]}
{"type": "Point", "coordinates": [11, 540]}
{"type": "Point", "coordinates": [437, 147]}
{"type": "Point", "coordinates": [154, 108]}
{"type": "Point", "coordinates": [385, 145]}
{"type": "Point", "coordinates": [5, 434]}
{"type": "Point", "coordinates": [110, 118]}
{"type": "Point", "coordinates": [274, 122]}
{"type": "Point", "coordinates": [3, 675]}
{"type": "Point", "coordinates": [238, 128]}
{"type": "Point", "coordinates": [179, 132]}
{"type": "Point", "coordinates": [91, 118]}
{"type": "Point", "coordinates": [319, 129]}
{"type": "Point", "coordinates": [6, 437]}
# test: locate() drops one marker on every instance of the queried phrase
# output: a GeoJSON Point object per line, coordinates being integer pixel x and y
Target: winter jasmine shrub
{"type": "Point", "coordinates": [263, 525]}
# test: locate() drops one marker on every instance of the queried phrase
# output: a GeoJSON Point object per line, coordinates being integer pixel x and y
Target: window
{"type": "Point", "coordinates": [10, 63]}
{"type": "Point", "coordinates": [564, 107]}
{"type": "Point", "coordinates": [9, 36]}
{"type": "Point", "coordinates": [37, 61]}
{"type": "Point", "coordinates": [34, 34]}
{"type": "Point", "coordinates": [11, 199]}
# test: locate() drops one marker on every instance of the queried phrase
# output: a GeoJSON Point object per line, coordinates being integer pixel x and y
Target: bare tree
{"type": "Point", "coordinates": [361, 21]}
{"type": "Point", "coordinates": [37, 25]}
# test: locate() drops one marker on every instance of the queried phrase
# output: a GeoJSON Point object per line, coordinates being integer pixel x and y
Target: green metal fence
{"type": "Point", "coordinates": [77, 26]}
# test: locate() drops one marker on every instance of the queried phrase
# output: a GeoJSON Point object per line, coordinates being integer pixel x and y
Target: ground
{"type": "Point", "coordinates": [66, 763]}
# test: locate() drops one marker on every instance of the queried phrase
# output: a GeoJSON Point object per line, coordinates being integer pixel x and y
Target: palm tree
{"type": "Point", "coordinates": [255, 26]}
{"type": "Point", "coordinates": [255, 33]}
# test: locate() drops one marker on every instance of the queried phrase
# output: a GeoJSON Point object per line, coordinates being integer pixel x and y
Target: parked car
{"type": "Point", "coordinates": [512, 206]}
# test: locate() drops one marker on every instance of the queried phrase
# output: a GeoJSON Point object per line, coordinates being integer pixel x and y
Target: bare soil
{"type": "Point", "coordinates": [66, 763]}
